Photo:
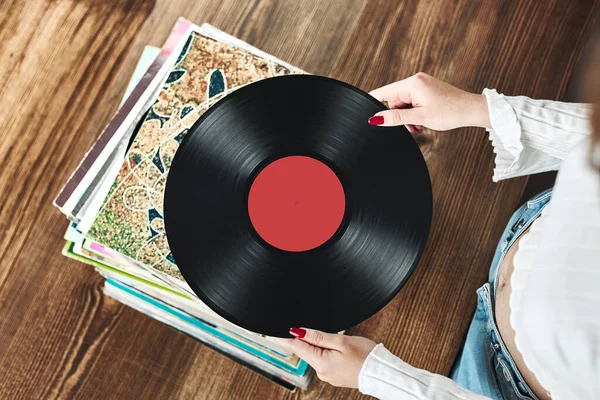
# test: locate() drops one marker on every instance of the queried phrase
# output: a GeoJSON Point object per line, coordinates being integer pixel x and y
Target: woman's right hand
{"type": "Point", "coordinates": [422, 100]}
{"type": "Point", "coordinates": [337, 359]}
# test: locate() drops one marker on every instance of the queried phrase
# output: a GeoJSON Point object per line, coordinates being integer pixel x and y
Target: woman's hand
{"type": "Point", "coordinates": [422, 100]}
{"type": "Point", "coordinates": [337, 359]}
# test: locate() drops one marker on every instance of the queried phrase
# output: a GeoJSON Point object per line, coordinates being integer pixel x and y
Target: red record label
{"type": "Point", "coordinates": [296, 203]}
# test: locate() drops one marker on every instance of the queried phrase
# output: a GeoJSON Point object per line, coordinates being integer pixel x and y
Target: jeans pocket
{"type": "Point", "coordinates": [506, 382]}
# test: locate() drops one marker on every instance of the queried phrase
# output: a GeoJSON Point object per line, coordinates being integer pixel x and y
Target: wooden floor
{"type": "Point", "coordinates": [64, 65]}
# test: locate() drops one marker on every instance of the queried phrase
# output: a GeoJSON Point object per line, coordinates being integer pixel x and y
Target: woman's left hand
{"type": "Point", "coordinates": [337, 359]}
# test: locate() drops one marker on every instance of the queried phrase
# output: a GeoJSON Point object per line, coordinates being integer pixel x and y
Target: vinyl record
{"type": "Point", "coordinates": [285, 208]}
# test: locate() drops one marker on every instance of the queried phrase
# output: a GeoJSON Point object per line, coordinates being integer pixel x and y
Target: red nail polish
{"type": "Point", "coordinates": [297, 332]}
{"type": "Point", "coordinates": [376, 120]}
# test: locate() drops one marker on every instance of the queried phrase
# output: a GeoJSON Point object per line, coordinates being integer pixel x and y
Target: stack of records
{"type": "Point", "coordinates": [115, 198]}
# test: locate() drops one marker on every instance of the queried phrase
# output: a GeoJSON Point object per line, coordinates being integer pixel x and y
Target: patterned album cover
{"type": "Point", "coordinates": [131, 218]}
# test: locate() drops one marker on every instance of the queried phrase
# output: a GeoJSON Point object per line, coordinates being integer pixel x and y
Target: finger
{"type": "Point", "coordinates": [394, 91]}
{"type": "Point", "coordinates": [402, 116]}
{"type": "Point", "coordinates": [309, 353]}
{"type": "Point", "coordinates": [285, 343]}
{"type": "Point", "coordinates": [410, 128]}
{"type": "Point", "coordinates": [331, 341]}
{"type": "Point", "coordinates": [397, 104]}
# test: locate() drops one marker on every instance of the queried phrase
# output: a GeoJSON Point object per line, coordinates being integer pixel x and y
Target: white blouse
{"type": "Point", "coordinates": [555, 297]}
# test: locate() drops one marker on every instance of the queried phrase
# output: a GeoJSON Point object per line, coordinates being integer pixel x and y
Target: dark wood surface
{"type": "Point", "coordinates": [63, 67]}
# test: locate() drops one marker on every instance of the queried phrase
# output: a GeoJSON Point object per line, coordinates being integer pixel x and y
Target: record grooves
{"type": "Point", "coordinates": [312, 254]}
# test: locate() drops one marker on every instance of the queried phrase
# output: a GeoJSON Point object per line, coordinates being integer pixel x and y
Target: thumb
{"type": "Point", "coordinates": [309, 353]}
{"type": "Point", "coordinates": [400, 116]}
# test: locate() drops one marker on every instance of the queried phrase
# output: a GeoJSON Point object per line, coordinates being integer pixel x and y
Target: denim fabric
{"type": "Point", "coordinates": [484, 365]}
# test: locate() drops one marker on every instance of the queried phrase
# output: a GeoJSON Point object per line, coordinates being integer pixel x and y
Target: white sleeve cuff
{"type": "Point", "coordinates": [505, 134]}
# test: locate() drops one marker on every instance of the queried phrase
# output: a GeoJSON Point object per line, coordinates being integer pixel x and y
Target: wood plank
{"type": "Point", "coordinates": [64, 67]}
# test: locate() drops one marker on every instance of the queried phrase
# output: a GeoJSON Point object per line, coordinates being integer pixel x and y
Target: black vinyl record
{"type": "Point", "coordinates": [276, 146]}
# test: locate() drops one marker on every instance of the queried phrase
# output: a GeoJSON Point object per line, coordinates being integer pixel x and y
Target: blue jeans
{"type": "Point", "coordinates": [484, 365]}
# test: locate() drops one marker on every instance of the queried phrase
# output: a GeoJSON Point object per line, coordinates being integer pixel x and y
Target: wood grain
{"type": "Point", "coordinates": [64, 65]}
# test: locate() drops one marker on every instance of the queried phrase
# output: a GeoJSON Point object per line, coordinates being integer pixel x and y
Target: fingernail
{"type": "Point", "coordinates": [376, 120]}
{"type": "Point", "coordinates": [297, 332]}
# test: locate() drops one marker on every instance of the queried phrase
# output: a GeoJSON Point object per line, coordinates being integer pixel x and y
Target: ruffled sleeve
{"type": "Point", "coordinates": [531, 136]}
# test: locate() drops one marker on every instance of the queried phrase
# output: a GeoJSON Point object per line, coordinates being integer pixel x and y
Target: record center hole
{"type": "Point", "coordinates": [296, 203]}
